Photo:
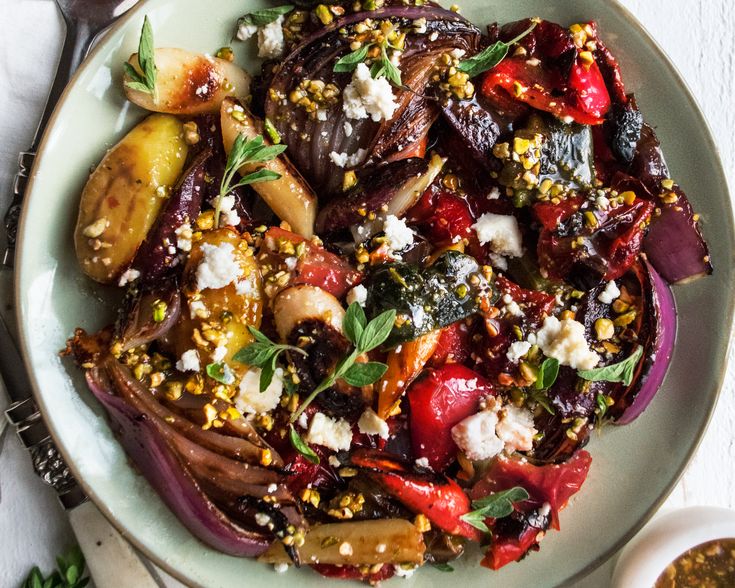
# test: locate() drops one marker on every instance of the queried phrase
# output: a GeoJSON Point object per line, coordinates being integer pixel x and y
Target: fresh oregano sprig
{"type": "Point", "coordinates": [145, 82]}
{"type": "Point", "coordinates": [490, 57]}
{"type": "Point", "coordinates": [494, 506]}
{"type": "Point", "coordinates": [301, 446]}
{"type": "Point", "coordinates": [263, 353]}
{"type": "Point", "coordinates": [70, 573]}
{"type": "Point", "coordinates": [622, 372]}
{"type": "Point", "coordinates": [381, 66]}
{"type": "Point", "coordinates": [365, 336]}
{"type": "Point", "coordinates": [266, 16]}
{"type": "Point", "coordinates": [245, 152]}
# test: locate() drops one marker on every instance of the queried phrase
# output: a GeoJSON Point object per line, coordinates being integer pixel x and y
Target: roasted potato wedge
{"type": "Point", "coordinates": [394, 541]}
{"type": "Point", "coordinates": [124, 195]}
{"type": "Point", "coordinates": [219, 316]}
{"type": "Point", "coordinates": [290, 197]}
{"type": "Point", "coordinates": [190, 83]}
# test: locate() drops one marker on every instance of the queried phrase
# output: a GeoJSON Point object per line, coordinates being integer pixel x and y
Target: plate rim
{"type": "Point", "coordinates": [696, 111]}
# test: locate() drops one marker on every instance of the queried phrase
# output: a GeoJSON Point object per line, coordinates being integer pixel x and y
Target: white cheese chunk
{"type": "Point", "coordinates": [245, 31]}
{"type": "Point", "coordinates": [476, 437]}
{"type": "Point", "coordinates": [270, 40]}
{"type": "Point", "coordinates": [189, 361]}
{"type": "Point", "coordinates": [515, 428]}
{"type": "Point", "coordinates": [344, 160]}
{"type": "Point", "coordinates": [218, 268]}
{"type": "Point", "coordinates": [357, 294]}
{"type": "Point", "coordinates": [564, 341]}
{"type": "Point", "coordinates": [219, 353]}
{"type": "Point", "coordinates": [365, 96]}
{"type": "Point", "coordinates": [371, 424]}
{"type": "Point", "coordinates": [517, 350]}
{"type": "Point", "coordinates": [397, 233]}
{"type": "Point", "coordinates": [129, 276]}
{"type": "Point", "coordinates": [250, 400]}
{"type": "Point", "coordinates": [332, 433]}
{"type": "Point", "coordinates": [501, 232]}
{"type": "Point", "coordinates": [610, 294]}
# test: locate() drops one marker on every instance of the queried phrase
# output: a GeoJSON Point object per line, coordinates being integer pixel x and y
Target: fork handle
{"type": "Point", "coordinates": [79, 36]}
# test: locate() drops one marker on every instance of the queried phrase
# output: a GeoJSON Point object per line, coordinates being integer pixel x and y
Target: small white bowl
{"type": "Point", "coordinates": [666, 538]}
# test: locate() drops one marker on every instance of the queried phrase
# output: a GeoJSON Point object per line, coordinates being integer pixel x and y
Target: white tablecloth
{"type": "Point", "coordinates": [696, 34]}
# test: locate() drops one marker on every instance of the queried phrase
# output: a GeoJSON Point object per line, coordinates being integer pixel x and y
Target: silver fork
{"type": "Point", "coordinates": [84, 20]}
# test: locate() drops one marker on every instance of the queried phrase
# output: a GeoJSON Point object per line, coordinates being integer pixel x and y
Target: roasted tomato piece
{"type": "Point", "coordinates": [438, 401]}
{"type": "Point", "coordinates": [421, 491]}
{"type": "Point", "coordinates": [315, 266]}
{"type": "Point", "coordinates": [549, 487]}
{"type": "Point", "coordinates": [587, 89]}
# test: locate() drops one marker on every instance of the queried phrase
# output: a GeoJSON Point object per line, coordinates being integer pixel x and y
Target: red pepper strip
{"type": "Point", "coordinates": [437, 497]}
{"type": "Point", "coordinates": [554, 484]}
{"type": "Point", "coordinates": [552, 215]}
{"type": "Point", "coordinates": [588, 89]}
{"type": "Point", "coordinates": [316, 266]}
{"type": "Point", "coordinates": [453, 345]}
{"type": "Point", "coordinates": [505, 550]}
{"type": "Point", "coordinates": [538, 87]}
{"type": "Point", "coordinates": [537, 304]}
{"type": "Point", "coordinates": [609, 68]}
{"type": "Point", "coordinates": [624, 250]}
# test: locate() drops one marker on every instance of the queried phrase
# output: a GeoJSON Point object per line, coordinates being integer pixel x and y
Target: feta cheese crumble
{"type": "Point", "coordinates": [189, 361]}
{"type": "Point", "coordinates": [219, 354]}
{"type": "Point", "coordinates": [343, 160]}
{"type": "Point", "coordinates": [332, 433]}
{"type": "Point", "coordinates": [610, 294]}
{"type": "Point", "coordinates": [270, 40]}
{"type": "Point", "coordinates": [128, 277]}
{"type": "Point", "coordinates": [564, 341]}
{"type": "Point", "coordinates": [501, 232]}
{"type": "Point", "coordinates": [517, 350]}
{"type": "Point", "coordinates": [228, 216]}
{"type": "Point", "coordinates": [245, 31]}
{"type": "Point", "coordinates": [495, 429]}
{"type": "Point", "coordinates": [250, 400]}
{"type": "Point", "coordinates": [365, 96]}
{"type": "Point", "coordinates": [371, 424]}
{"type": "Point", "coordinates": [218, 267]}
{"type": "Point", "coordinates": [397, 233]}
{"type": "Point", "coordinates": [357, 294]}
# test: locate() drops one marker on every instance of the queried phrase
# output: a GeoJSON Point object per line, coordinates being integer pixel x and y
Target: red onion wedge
{"type": "Point", "coordinates": [153, 315]}
{"type": "Point", "coordinates": [169, 476]}
{"type": "Point", "coordinates": [658, 348]}
{"type": "Point", "coordinates": [674, 243]}
{"type": "Point", "coordinates": [311, 140]}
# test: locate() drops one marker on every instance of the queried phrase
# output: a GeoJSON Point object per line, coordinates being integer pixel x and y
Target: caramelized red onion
{"type": "Point", "coordinates": [141, 326]}
{"type": "Point", "coordinates": [311, 140]}
{"type": "Point", "coordinates": [169, 476]}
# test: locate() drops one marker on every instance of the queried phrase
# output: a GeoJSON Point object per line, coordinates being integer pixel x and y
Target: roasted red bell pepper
{"type": "Point", "coordinates": [316, 266]}
{"type": "Point", "coordinates": [551, 485]}
{"type": "Point", "coordinates": [434, 495]}
{"type": "Point", "coordinates": [536, 304]}
{"type": "Point", "coordinates": [438, 401]}
{"type": "Point", "coordinates": [354, 573]}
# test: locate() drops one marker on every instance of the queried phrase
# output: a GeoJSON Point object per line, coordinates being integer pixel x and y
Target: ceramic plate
{"type": "Point", "coordinates": [634, 467]}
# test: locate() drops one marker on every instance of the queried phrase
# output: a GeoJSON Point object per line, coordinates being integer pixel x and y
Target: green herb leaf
{"type": "Point", "coordinates": [259, 336]}
{"type": "Point", "coordinates": [490, 57]}
{"type": "Point", "coordinates": [477, 519]}
{"type": "Point", "coordinates": [602, 407]}
{"type": "Point", "coordinates": [495, 506]}
{"type": "Point", "coordinates": [145, 82]}
{"type": "Point", "coordinates": [256, 354]}
{"type": "Point", "coordinates": [443, 567]}
{"type": "Point", "coordinates": [68, 575]}
{"type": "Point", "coordinates": [354, 322]}
{"type": "Point", "coordinates": [349, 62]}
{"type": "Point", "coordinates": [261, 18]}
{"type": "Point", "coordinates": [547, 374]}
{"type": "Point", "coordinates": [540, 397]}
{"type": "Point", "coordinates": [364, 374]}
{"type": "Point", "coordinates": [301, 446]}
{"type": "Point", "coordinates": [384, 67]}
{"type": "Point", "coordinates": [220, 372]}
{"type": "Point", "coordinates": [376, 331]}
{"type": "Point", "coordinates": [266, 374]}
{"type": "Point", "coordinates": [246, 152]}
{"type": "Point", "coordinates": [623, 372]}
{"type": "Point", "coordinates": [263, 354]}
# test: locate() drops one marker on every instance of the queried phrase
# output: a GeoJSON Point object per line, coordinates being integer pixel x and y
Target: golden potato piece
{"type": "Point", "coordinates": [290, 197]}
{"type": "Point", "coordinates": [124, 195]}
{"type": "Point", "coordinates": [190, 83]}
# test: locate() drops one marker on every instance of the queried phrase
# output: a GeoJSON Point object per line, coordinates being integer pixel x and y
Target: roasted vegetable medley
{"type": "Point", "coordinates": [377, 296]}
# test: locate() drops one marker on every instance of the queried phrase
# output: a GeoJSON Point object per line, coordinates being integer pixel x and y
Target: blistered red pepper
{"type": "Point", "coordinates": [439, 401]}
{"type": "Point", "coordinates": [437, 497]}
{"type": "Point", "coordinates": [354, 573]}
{"type": "Point", "coordinates": [453, 345]}
{"type": "Point", "coordinates": [316, 266]}
{"type": "Point", "coordinates": [548, 484]}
